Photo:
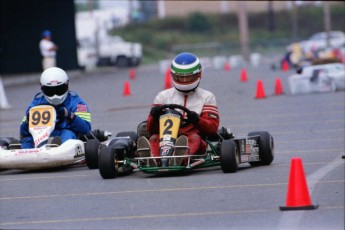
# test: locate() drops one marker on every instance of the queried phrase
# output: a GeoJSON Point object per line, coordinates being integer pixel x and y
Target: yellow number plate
{"type": "Point", "coordinates": [41, 116]}
{"type": "Point", "coordinates": [169, 125]}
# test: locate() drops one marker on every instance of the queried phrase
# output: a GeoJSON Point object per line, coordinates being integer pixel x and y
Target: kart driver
{"type": "Point", "coordinates": [186, 73]}
{"type": "Point", "coordinates": [73, 116]}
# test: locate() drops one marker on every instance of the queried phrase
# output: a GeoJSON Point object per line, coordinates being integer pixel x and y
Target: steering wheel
{"type": "Point", "coordinates": [184, 121]}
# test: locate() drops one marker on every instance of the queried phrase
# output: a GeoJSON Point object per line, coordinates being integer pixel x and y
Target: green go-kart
{"type": "Point", "coordinates": [120, 154]}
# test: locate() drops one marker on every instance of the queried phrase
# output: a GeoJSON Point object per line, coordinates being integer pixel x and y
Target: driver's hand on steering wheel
{"type": "Point", "coordinates": [155, 112]}
{"type": "Point", "coordinates": [193, 117]}
{"type": "Point", "coordinates": [63, 112]}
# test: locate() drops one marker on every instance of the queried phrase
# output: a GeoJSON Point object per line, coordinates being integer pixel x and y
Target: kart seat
{"type": "Point", "coordinates": [142, 130]}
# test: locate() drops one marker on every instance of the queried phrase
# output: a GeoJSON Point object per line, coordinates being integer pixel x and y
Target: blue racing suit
{"type": "Point", "coordinates": [65, 128]}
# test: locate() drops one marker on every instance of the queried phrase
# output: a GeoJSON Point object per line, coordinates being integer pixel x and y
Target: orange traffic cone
{"type": "Point", "coordinates": [227, 66]}
{"type": "Point", "coordinates": [285, 66]}
{"type": "Point", "coordinates": [244, 75]}
{"type": "Point", "coordinates": [298, 195]}
{"type": "Point", "coordinates": [132, 73]}
{"type": "Point", "coordinates": [260, 91]}
{"type": "Point", "coordinates": [278, 88]}
{"type": "Point", "coordinates": [167, 81]}
{"type": "Point", "coordinates": [127, 89]}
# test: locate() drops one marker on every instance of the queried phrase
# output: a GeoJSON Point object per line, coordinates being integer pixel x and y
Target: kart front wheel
{"type": "Point", "coordinates": [106, 162]}
{"type": "Point", "coordinates": [266, 148]}
{"type": "Point", "coordinates": [229, 159]}
{"type": "Point", "coordinates": [91, 153]}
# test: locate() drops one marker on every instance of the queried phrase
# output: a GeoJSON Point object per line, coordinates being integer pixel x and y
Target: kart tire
{"type": "Point", "coordinates": [266, 148]}
{"type": "Point", "coordinates": [131, 134]}
{"type": "Point", "coordinates": [229, 159]}
{"type": "Point", "coordinates": [91, 153]}
{"type": "Point", "coordinates": [106, 162]}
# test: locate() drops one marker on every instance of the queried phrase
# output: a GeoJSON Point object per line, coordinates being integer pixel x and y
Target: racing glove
{"type": "Point", "coordinates": [155, 112]}
{"type": "Point", "coordinates": [63, 112]}
{"type": "Point", "coordinates": [193, 117]}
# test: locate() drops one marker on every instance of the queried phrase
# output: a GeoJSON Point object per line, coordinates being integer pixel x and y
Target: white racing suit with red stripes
{"type": "Point", "coordinates": [200, 101]}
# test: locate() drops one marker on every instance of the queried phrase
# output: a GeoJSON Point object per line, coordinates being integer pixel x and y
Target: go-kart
{"type": "Point", "coordinates": [224, 149]}
{"type": "Point", "coordinates": [47, 153]}
{"type": "Point", "coordinates": [318, 79]}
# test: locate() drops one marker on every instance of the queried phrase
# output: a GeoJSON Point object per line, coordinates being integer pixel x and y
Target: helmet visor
{"type": "Point", "coordinates": [182, 79]}
{"type": "Point", "coordinates": [54, 90]}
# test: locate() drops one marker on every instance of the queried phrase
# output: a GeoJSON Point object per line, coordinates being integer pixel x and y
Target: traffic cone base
{"type": "Point", "coordinates": [298, 195]}
{"type": "Point", "coordinates": [309, 207]}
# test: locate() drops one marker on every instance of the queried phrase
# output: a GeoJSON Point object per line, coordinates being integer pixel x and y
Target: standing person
{"type": "Point", "coordinates": [73, 116]}
{"type": "Point", "coordinates": [48, 50]}
{"type": "Point", "coordinates": [186, 72]}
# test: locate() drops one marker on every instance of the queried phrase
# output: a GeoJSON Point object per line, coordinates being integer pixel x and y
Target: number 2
{"type": "Point", "coordinates": [168, 124]}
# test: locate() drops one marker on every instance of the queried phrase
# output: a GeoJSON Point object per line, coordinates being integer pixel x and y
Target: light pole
{"type": "Point", "coordinates": [244, 32]}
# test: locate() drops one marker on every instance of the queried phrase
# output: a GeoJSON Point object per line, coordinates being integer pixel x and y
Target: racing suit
{"type": "Point", "coordinates": [65, 128]}
{"type": "Point", "coordinates": [200, 101]}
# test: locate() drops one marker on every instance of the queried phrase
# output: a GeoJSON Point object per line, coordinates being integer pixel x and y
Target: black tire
{"type": "Point", "coordinates": [135, 62]}
{"type": "Point", "coordinates": [106, 162]}
{"type": "Point", "coordinates": [122, 62]}
{"type": "Point", "coordinates": [229, 159]}
{"type": "Point", "coordinates": [103, 61]}
{"type": "Point", "coordinates": [91, 153]}
{"type": "Point", "coordinates": [266, 148]}
{"type": "Point", "coordinates": [131, 134]}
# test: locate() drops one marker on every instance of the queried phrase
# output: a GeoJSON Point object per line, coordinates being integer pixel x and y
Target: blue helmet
{"type": "Point", "coordinates": [186, 72]}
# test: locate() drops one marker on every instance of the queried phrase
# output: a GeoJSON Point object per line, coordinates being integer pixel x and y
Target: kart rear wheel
{"type": "Point", "coordinates": [106, 162]}
{"type": "Point", "coordinates": [229, 159]}
{"type": "Point", "coordinates": [266, 148]}
{"type": "Point", "coordinates": [91, 153]}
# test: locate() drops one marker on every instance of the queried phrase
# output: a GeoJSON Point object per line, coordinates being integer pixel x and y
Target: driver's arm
{"type": "Point", "coordinates": [209, 120]}
{"type": "Point", "coordinates": [152, 123]}
{"type": "Point", "coordinates": [209, 117]}
{"type": "Point", "coordinates": [81, 118]}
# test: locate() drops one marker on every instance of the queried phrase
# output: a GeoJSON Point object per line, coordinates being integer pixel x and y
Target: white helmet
{"type": "Point", "coordinates": [54, 85]}
{"type": "Point", "coordinates": [186, 72]}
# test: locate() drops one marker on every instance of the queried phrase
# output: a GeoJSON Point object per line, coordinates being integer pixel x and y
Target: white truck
{"type": "Point", "coordinates": [115, 51]}
{"type": "Point", "coordinates": [97, 47]}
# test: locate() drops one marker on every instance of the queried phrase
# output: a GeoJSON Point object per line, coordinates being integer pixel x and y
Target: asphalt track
{"type": "Point", "coordinates": [310, 127]}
